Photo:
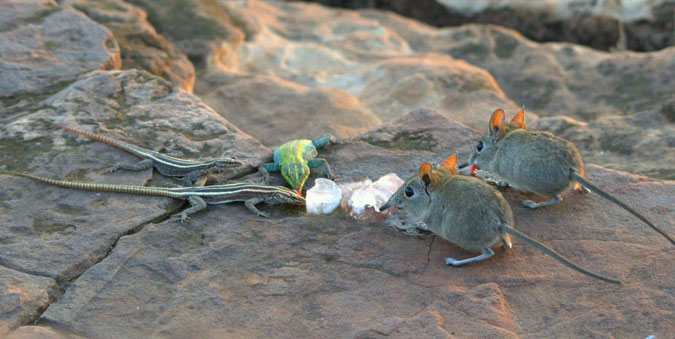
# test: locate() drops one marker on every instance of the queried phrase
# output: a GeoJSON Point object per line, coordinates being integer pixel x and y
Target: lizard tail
{"type": "Point", "coordinates": [112, 142]}
{"type": "Point", "coordinates": [576, 177]}
{"type": "Point", "coordinates": [129, 189]}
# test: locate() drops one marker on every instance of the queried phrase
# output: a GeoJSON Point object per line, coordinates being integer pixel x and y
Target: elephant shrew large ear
{"type": "Point", "coordinates": [450, 163]}
{"type": "Point", "coordinates": [426, 174]}
{"type": "Point", "coordinates": [496, 126]}
{"type": "Point", "coordinates": [519, 119]}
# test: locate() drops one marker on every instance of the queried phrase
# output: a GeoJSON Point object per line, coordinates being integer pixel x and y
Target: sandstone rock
{"type": "Point", "coordinates": [648, 25]}
{"type": "Point", "coordinates": [564, 79]}
{"type": "Point", "coordinates": [396, 85]}
{"type": "Point", "coordinates": [68, 230]}
{"type": "Point", "coordinates": [554, 78]}
{"type": "Point", "coordinates": [639, 143]}
{"type": "Point", "coordinates": [297, 275]}
{"type": "Point", "coordinates": [426, 324]}
{"type": "Point", "coordinates": [199, 28]}
{"type": "Point", "coordinates": [393, 65]}
{"type": "Point", "coordinates": [35, 332]}
{"type": "Point", "coordinates": [141, 47]}
{"type": "Point", "coordinates": [43, 48]}
{"type": "Point", "coordinates": [352, 53]}
{"type": "Point", "coordinates": [127, 272]}
{"type": "Point", "coordinates": [22, 297]}
{"type": "Point", "coordinates": [275, 111]}
{"type": "Point", "coordinates": [17, 12]}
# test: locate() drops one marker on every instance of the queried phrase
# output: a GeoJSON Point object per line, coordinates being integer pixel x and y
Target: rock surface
{"type": "Point", "coordinates": [22, 297]}
{"type": "Point", "coordinates": [275, 111]}
{"type": "Point", "coordinates": [112, 265]}
{"type": "Point", "coordinates": [75, 229]}
{"type": "Point", "coordinates": [44, 47]}
{"type": "Point", "coordinates": [391, 65]}
{"type": "Point", "coordinates": [648, 24]}
{"type": "Point", "coordinates": [32, 332]}
{"type": "Point", "coordinates": [384, 63]}
{"type": "Point", "coordinates": [141, 47]}
{"type": "Point", "coordinates": [299, 275]}
{"type": "Point", "coordinates": [640, 143]}
{"type": "Point", "coordinates": [200, 28]}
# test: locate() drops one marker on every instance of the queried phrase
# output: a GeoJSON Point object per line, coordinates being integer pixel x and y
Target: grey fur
{"type": "Point", "coordinates": [536, 161]}
{"type": "Point", "coordinates": [468, 213]}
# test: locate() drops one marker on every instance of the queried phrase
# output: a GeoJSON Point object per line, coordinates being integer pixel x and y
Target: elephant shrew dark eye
{"type": "Point", "coordinates": [409, 192]}
{"type": "Point", "coordinates": [479, 147]}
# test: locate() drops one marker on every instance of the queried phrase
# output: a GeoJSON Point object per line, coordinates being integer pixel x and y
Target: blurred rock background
{"type": "Point", "coordinates": [647, 24]}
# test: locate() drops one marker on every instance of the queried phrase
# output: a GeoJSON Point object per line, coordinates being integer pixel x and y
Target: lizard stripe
{"type": "Point", "coordinates": [297, 173]}
{"type": "Point", "coordinates": [299, 149]}
{"type": "Point", "coordinates": [101, 187]}
{"type": "Point", "coordinates": [165, 164]}
{"type": "Point", "coordinates": [198, 197]}
{"type": "Point", "coordinates": [235, 191]}
{"type": "Point", "coordinates": [112, 142]}
{"type": "Point", "coordinates": [138, 151]}
{"type": "Point", "coordinates": [294, 151]}
{"type": "Point", "coordinates": [292, 159]}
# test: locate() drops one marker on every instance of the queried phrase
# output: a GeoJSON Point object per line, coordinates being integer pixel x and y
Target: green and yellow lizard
{"type": "Point", "coordinates": [295, 158]}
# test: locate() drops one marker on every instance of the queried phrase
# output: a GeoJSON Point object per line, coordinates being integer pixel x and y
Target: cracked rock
{"type": "Point", "coordinates": [22, 297]}
{"type": "Point", "coordinates": [228, 273]}
{"type": "Point", "coordinates": [140, 45]}
{"type": "Point", "coordinates": [60, 233]}
{"type": "Point", "coordinates": [43, 47]}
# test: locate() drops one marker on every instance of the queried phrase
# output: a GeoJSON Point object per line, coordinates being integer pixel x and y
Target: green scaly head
{"type": "Point", "coordinates": [295, 174]}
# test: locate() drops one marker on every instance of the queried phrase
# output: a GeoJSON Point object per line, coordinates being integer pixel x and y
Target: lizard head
{"type": "Point", "coordinates": [295, 175]}
{"type": "Point", "coordinates": [228, 162]}
{"type": "Point", "coordinates": [287, 196]}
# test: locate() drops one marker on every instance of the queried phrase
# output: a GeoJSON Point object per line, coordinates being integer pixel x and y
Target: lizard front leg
{"type": "Point", "coordinates": [265, 169]}
{"type": "Point", "coordinates": [324, 140]}
{"type": "Point", "coordinates": [196, 204]}
{"type": "Point", "coordinates": [169, 148]}
{"type": "Point", "coordinates": [250, 204]}
{"type": "Point", "coordinates": [316, 162]}
{"type": "Point", "coordinates": [195, 178]}
{"type": "Point", "coordinates": [144, 164]}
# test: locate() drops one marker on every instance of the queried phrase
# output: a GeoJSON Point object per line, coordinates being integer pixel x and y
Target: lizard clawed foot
{"type": "Point", "coordinates": [111, 169]}
{"type": "Point", "coordinates": [422, 226]}
{"type": "Point", "coordinates": [182, 217]}
{"type": "Point", "coordinates": [263, 214]}
{"type": "Point", "coordinates": [412, 231]}
{"type": "Point", "coordinates": [266, 175]}
{"type": "Point", "coordinates": [170, 148]}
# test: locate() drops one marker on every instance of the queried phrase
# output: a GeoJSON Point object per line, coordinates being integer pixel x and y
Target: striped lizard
{"type": "Point", "coordinates": [189, 170]}
{"type": "Point", "coordinates": [295, 158]}
{"type": "Point", "coordinates": [198, 197]}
